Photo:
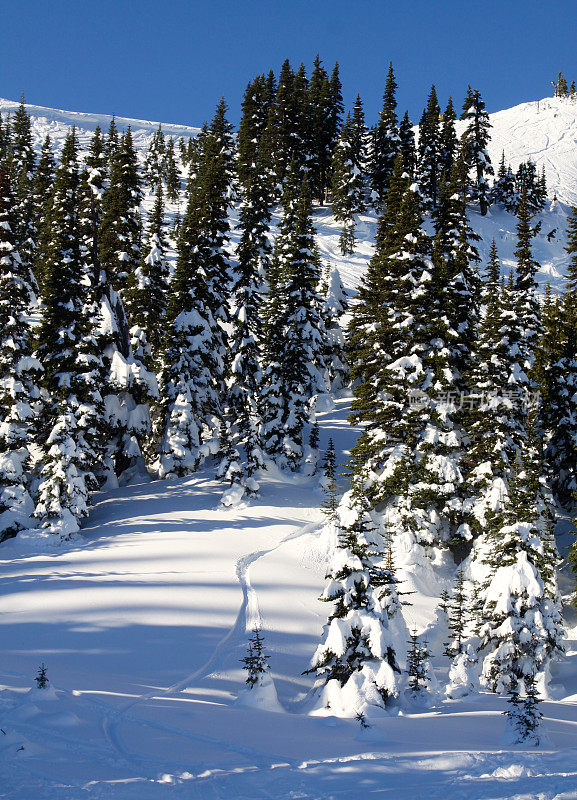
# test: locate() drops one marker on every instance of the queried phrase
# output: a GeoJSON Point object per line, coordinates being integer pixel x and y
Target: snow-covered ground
{"type": "Point", "coordinates": [142, 621]}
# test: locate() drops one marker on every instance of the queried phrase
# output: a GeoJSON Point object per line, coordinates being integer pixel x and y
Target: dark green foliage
{"type": "Point", "coordinates": [256, 661]}
{"type": "Point", "coordinates": [428, 163]}
{"type": "Point", "coordinates": [474, 147]}
{"type": "Point", "coordinates": [417, 664]}
{"type": "Point", "coordinates": [384, 143]}
{"type": "Point", "coordinates": [120, 226]}
{"type": "Point", "coordinates": [41, 679]}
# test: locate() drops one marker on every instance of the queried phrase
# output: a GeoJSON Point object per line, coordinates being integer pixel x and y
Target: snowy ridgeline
{"type": "Point", "coordinates": [543, 131]}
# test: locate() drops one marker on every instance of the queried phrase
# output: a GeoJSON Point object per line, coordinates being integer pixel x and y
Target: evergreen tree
{"type": "Point", "coordinates": [193, 371]}
{"type": "Point", "coordinates": [147, 287]}
{"type": "Point", "coordinates": [349, 182]}
{"type": "Point", "coordinates": [474, 144]}
{"type": "Point", "coordinates": [355, 663]}
{"type": "Point", "coordinates": [527, 305]}
{"type": "Point", "coordinates": [504, 190]}
{"type": "Point", "coordinates": [458, 617]}
{"type": "Point", "coordinates": [112, 143]}
{"type": "Point", "coordinates": [170, 172]}
{"type": "Point", "coordinates": [41, 191]}
{"type": "Point", "coordinates": [418, 664]}
{"type": "Point", "coordinates": [73, 420]}
{"type": "Point", "coordinates": [428, 162]}
{"type": "Point", "coordinates": [521, 627]}
{"type": "Point", "coordinates": [256, 661]}
{"type": "Point", "coordinates": [96, 164]}
{"type": "Point", "coordinates": [335, 305]}
{"type": "Point", "coordinates": [23, 161]}
{"type": "Point", "coordinates": [119, 234]}
{"type": "Point", "coordinates": [19, 373]}
{"type": "Point", "coordinates": [245, 379]}
{"type": "Point", "coordinates": [523, 714]}
{"type": "Point", "coordinates": [329, 481]}
{"type": "Point", "coordinates": [448, 145]}
{"type": "Point", "coordinates": [559, 382]}
{"type": "Point", "coordinates": [322, 130]}
{"type": "Point", "coordinates": [493, 417]}
{"type": "Point", "coordinates": [405, 360]}
{"type": "Point", "coordinates": [154, 161]}
{"type": "Point", "coordinates": [254, 116]}
{"type": "Point", "coordinates": [41, 679]}
{"type": "Point", "coordinates": [407, 145]}
{"type": "Point", "coordinates": [385, 143]}
{"type": "Point", "coordinates": [294, 379]}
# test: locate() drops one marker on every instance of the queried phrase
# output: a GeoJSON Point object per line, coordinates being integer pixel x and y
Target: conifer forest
{"type": "Point", "coordinates": [288, 423]}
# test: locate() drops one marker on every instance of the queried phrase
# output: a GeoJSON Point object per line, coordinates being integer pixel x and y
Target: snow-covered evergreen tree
{"type": "Point", "coordinates": [349, 181]}
{"type": "Point", "coordinates": [335, 305]}
{"type": "Point", "coordinates": [19, 373]}
{"type": "Point", "coordinates": [146, 289]}
{"type": "Point", "coordinates": [245, 379]}
{"type": "Point", "coordinates": [355, 663]}
{"type": "Point", "coordinates": [418, 667]}
{"type": "Point", "coordinates": [22, 166]}
{"type": "Point", "coordinates": [120, 225]}
{"type": "Point", "coordinates": [520, 626]}
{"type": "Point", "coordinates": [296, 368]}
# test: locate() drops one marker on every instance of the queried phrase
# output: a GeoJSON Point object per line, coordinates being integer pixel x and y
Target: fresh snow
{"type": "Point", "coordinates": [142, 620]}
{"type": "Point", "coordinates": [144, 616]}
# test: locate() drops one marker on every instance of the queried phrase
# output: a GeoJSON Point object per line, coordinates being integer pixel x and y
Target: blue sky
{"type": "Point", "coordinates": [173, 60]}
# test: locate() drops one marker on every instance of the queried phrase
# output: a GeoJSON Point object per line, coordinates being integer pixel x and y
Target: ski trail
{"type": "Point", "coordinates": [247, 618]}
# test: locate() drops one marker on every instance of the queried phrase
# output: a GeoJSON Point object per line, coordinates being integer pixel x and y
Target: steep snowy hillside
{"type": "Point", "coordinates": [544, 130]}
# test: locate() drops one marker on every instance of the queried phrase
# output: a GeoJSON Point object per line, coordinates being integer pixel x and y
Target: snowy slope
{"type": "Point", "coordinates": [55, 123]}
{"type": "Point", "coordinates": [545, 131]}
{"type": "Point", "coordinates": [142, 621]}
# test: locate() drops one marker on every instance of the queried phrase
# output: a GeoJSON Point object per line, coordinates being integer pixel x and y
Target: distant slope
{"type": "Point", "coordinates": [546, 132]}
{"type": "Point", "coordinates": [55, 122]}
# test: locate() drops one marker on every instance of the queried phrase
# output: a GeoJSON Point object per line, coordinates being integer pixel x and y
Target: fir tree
{"type": "Point", "coordinates": [42, 190]}
{"type": "Point", "coordinates": [523, 714]}
{"type": "Point", "coordinates": [245, 379]}
{"type": "Point", "coordinates": [385, 142]}
{"type": "Point", "coordinates": [147, 287]}
{"type": "Point", "coordinates": [356, 663]}
{"type": "Point", "coordinates": [22, 162]}
{"type": "Point", "coordinates": [458, 617]}
{"type": "Point", "coordinates": [119, 234]}
{"type": "Point", "coordinates": [329, 481]}
{"type": "Point", "coordinates": [407, 145]}
{"type": "Point", "coordinates": [521, 628]}
{"type": "Point", "coordinates": [417, 664]}
{"type": "Point", "coordinates": [170, 172]}
{"type": "Point", "coordinates": [294, 381]}
{"type": "Point", "coordinates": [429, 152]}
{"type": "Point", "coordinates": [256, 661]}
{"type": "Point", "coordinates": [474, 144]}
{"type": "Point", "coordinates": [335, 305]}
{"type": "Point", "coordinates": [193, 372]}
{"type": "Point", "coordinates": [349, 183]}
{"type": "Point", "coordinates": [504, 190]}
{"type": "Point", "coordinates": [19, 373]}
{"type": "Point", "coordinates": [322, 130]}
{"type": "Point", "coordinates": [41, 679]}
